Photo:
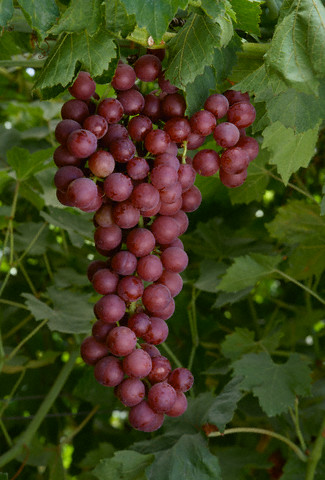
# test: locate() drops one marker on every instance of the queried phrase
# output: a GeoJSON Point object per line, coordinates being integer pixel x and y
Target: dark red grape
{"type": "Point", "coordinates": [181, 379]}
{"type": "Point", "coordinates": [65, 175]}
{"type": "Point", "coordinates": [124, 77]}
{"type": "Point", "coordinates": [97, 125]}
{"type": "Point", "coordinates": [139, 127]}
{"type": "Point", "coordinates": [118, 187]}
{"type": "Point", "coordinates": [152, 212]}
{"type": "Point", "coordinates": [147, 68]}
{"type": "Point", "coordinates": [94, 205]}
{"type": "Point", "coordinates": [137, 168]}
{"type": "Point", "coordinates": [173, 105]}
{"type": "Point", "coordinates": [105, 281]}
{"type": "Point", "coordinates": [163, 176]}
{"type": "Point", "coordinates": [182, 220]}
{"type": "Point", "coordinates": [165, 84]}
{"type": "Point", "coordinates": [100, 330]}
{"type": "Point", "coordinates": [160, 369]}
{"type": "Point", "coordinates": [242, 114]}
{"type": "Point", "coordinates": [75, 110]}
{"type": "Point", "coordinates": [131, 391]}
{"type": "Point", "coordinates": [150, 349]}
{"type": "Point", "coordinates": [161, 397]}
{"type": "Point", "coordinates": [178, 129]}
{"type": "Point", "coordinates": [140, 242]}
{"type": "Point", "coordinates": [179, 406]}
{"type": "Point", "coordinates": [107, 238]}
{"type": "Point", "coordinates": [145, 196]}
{"type": "Point", "coordinates": [122, 149]}
{"type": "Point", "coordinates": [108, 371]}
{"type": "Point", "coordinates": [167, 312]}
{"type": "Point", "coordinates": [226, 134]}
{"type": "Point", "coordinates": [81, 192]}
{"type": "Point", "coordinates": [173, 282]}
{"type": "Point", "coordinates": [124, 263]}
{"type": "Point", "coordinates": [194, 141]}
{"type": "Point", "coordinates": [110, 308]}
{"type": "Point", "coordinates": [121, 341]}
{"type": "Point", "coordinates": [81, 143]}
{"type": "Point", "coordinates": [132, 101]}
{"type": "Point", "coordinates": [217, 104]}
{"type": "Point", "coordinates": [91, 350]}
{"type": "Point", "coordinates": [250, 145]}
{"type": "Point", "coordinates": [165, 229]}
{"type": "Point", "coordinates": [143, 418]}
{"type": "Point", "coordinates": [192, 199]}
{"type": "Point", "coordinates": [174, 259]}
{"type": "Point", "coordinates": [101, 163]}
{"type": "Point", "coordinates": [234, 96]}
{"type": "Point", "coordinates": [155, 298]}
{"type": "Point", "coordinates": [158, 52]}
{"type": "Point", "coordinates": [104, 216]}
{"type": "Point", "coordinates": [171, 194]}
{"type": "Point", "coordinates": [126, 215]}
{"type": "Point", "coordinates": [62, 158]}
{"type": "Point", "coordinates": [114, 132]}
{"type": "Point", "coordinates": [64, 128]}
{"type": "Point", "coordinates": [111, 109]}
{"type": "Point", "coordinates": [149, 268]}
{"type": "Point", "coordinates": [139, 323]}
{"type": "Point", "coordinates": [206, 162]}
{"type": "Point", "coordinates": [234, 160]}
{"type": "Point", "coordinates": [130, 288]}
{"type": "Point", "coordinates": [186, 176]}
{"type": "Point", "coordinates": [137, 364]}
{"type": "Point", "coordinates": [93, 267]}
{"type": "Point", "coordinates": [171, 208]}
{"type": "Point", "coordinates": [167, 159]}
{"type": "Point", "coordinates": [83, 87]}
{"type": "Point", "coordinates": [152, 107]}
{"type": "Point", "coordinates": [203, 122]}
{"type": "Point", "coordinates": [232, 180]}
{"type": "Point", "coordinates": [157, 141]}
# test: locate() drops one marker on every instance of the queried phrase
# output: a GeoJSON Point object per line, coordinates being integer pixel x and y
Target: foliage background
{"type": "Point", "coordinates": [250, 320]}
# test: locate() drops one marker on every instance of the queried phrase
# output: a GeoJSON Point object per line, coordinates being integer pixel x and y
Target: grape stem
{"type": "Point", "coordinates": [295, 419]}
{"type": "Point", "coordinates": [171, 355]}
{"type": "Point", "coordinates": [316, 453]}
{"type": "Point", "coordinates": [184, 153]}
{"type": "Point", "coordinates": [193, 327]}
{"type": "Point", "coordinates": [300, 454]}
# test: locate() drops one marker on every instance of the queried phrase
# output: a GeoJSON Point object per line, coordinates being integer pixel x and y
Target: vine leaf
{"type": "Point", "coordinates": [80, 15]}
{"type": "Point", "coordinates": [247, 270]}
{"type": "Point", "coordinates": [27, 164]}
{"type": "Point", "coordinates": [247, 15]}
{"type": "Point", "coordinates": [192, 49]}
{"type": "Point", "coordinates": [296, 54]}
{"type": "Point", "coordinates": [242, 341]}
{"type": "Point", "coordinates": [155, 15]}
{"type": "Point", "coordinates": [275, 385]}
{"type": "Point", "coordinates": [6, 11]}
{"type": "Point", "coordinates": [289, 151]}
{"type": "Point", "coordinates": [40, 14]}
{"type": "Point", "coordinates": [124, 465]}
{"type": "Point", "coordinates": [117, 19]}
{"type": "Point", "coordinates": [70, 52]}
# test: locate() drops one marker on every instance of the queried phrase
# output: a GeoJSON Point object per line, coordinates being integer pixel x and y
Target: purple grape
{"type": "Point", "coordinates": [161, 397]}
{"type": "Point", "coordinates": [143, 418]}
{"type": "Point", "coordinates": [174, 259]}
{"type": "Point", "coordinates": [75, 110]}
{"type": "Point", "coordinates": [206, 162]}
{"type": "Point", "coordinates": [181, 379]}
{"type": "Point", "coordinates": [111, 109]}
{"type": "Point", "coordinates": [147, 68]}
{"type": "Point", "coordinates": [83, 87]}
{"type": "Point", "coordinates": [203, 122]}
{"type": "Point", "coordinates": [108, 238]}
{"type": "Point", "coordinates": [165, 229]}
{"type": "Point", "coordinates": [140, 242]}
{"type": "Point", "coordinates": [160, 370]}
{"type": "Point", "coordinates": [171, 194]}
{"type": "Point", "coordinates": [157, 141]}
{"type": "Point", "coordinates": [121, 341]}
{"type": "Point", "coordinates": [139, 323]}
{"type": "Point", "coordinates": [179, 406]}
{"type": "Point", "coordinates": [169, 209]}
{"type": "Point", "coordinates": [110, 308]}
{"type": "Point", "coordinates": [167, 159]}
{"type": "Point", "coordinates": [114, 132]}
{"type": "Point", "coordinates": [100, 330]}
{"type": "Point", "coordinates": [124, 263]}
{"type": "Point", "coordinates": [158, 52]}
{"type": "Point", "coordinates": [173, 105]}
{"type": "Point", "coordinates": [234, 160]}
{"type": "Point", "coordinates": [124, 77]}
{"type": "Point", "coordinates": [132, 101]}
{"type": "Point", "coordinates": [226, 134]}
{"type": "Point", "coordinates": [234, 96]}
{"type": "Point", "coordinates": [122, 150]}
{"type": "Point", "coordinates": [149, 268]}
{"type": "Point", "coordinates": [150, 349]}
{"type": "Point", "coordinates": [108, 371]}
{"type": "Point", "coordinates": [64, 128]}
{"type": "Point", "coordinates": [155, 298]}
{"type": "Point", "coordinates": [92, 351]}
{"type": "Point", "coordinates": [137, 364]}
{"type": "Point", "coordinates": [101, 163]}
{"type": "Point", "coordinates": [104, 216]}
{"type": "Point", "coordinates": [131, 391]}
{"type": "Point", "coordinates": [62, 158]}
{"type": "Point", "coordinates": [105, 281]}
{"type": "Point", "coordinates": [232, 180]}
{"type": "Point", "coordinates": [152, 107]}
{"type": "Point", "coordinates": [145, 196]}
{"type": "Point", "coordinates": [126, 215]}
{"type": "Point", "coordinates": [195, 141]}
{"type": "Point", "coordinates": [217, 104]}
{"type": "Point", "coordinates": [173, 281]}
{"type": "Point", "coordinates": [65, 175]}
{"type": "Point", "coordinates": [118, 187]}
{"type": "Point", "coordinates": [139, 127]}
{"type": "Point", "coordinates": [182, 220]}
{"type": "Point", "coordinates": [137, 168]}
{"type": "Point", "coordinates": [186, 176]}
{"type": "Point", "coordinates": [242, 114]}
{"type": "Point", "coordinates": [167, 312]}
{"type": "Point", "coordinates": [165, 84]}
{"type": "Point", "coordinates": [97, 125]}
{"type": "Point", "coordinates": [93, 267]}
{"type": "Point", "coordinates": [178, 129]}
{"type": "Point", "coordinates": [192, 199]}
{"type": "Point", "coordinates": [152, 212]}
{"type": "Point", "coordinates": [250, 145]}
{"type": "Point", "coordinates": [81, 143]}
{"type": "Point", "coordinates": [81, 192]}
{"type": "Point", "coordinates": [130, 288]}
{"type": "Point", "coordinates": [163, 176]}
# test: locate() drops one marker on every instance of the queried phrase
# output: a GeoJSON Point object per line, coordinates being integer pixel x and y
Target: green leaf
{"type": "Point", "coordinates": [189, 458]}
{"type": "Point", "coordinates": [289, 151]}
{"type": "Point", "coordinates": [223, 408]}
{"type": "Point", "coordinates": [257, 180]}
{"type": "Point", "coordinates": [93, 457]}
{"type": "Point", "coordinates": [258, 83]}
{"type": "Point", "coordinates": [125, 465]}
{"type": "Point", "coordinates": [89, 390]}
{"type": "Point", "coordinates": [26, 232]}
{"type": "Point", "coordinates": [198, 91]}
{"type": "Point", "coordinates": [296, 54]}
{"type": "Point", "coordinates": [70, 52]}
{"type": "Point", "coordinates": [302, 111]}
{"type": "Point", "coordinates": [117, 19]}
{"type": "Point", "coordinates": [243, 341]}
{"type": "Point", "coordinates": [210, 271]}
{"type": "Point", "coordinates": [275, 385]}
{"type": "Point", "coordinates": [248, 460]}
{"type": "Point", "coordinates": [154, 15]}
{"type": "Point", "coordinates": [192, 49]}
{"type": "Point", "coordinates": [246, 271]}
{"type": "Point", "coordinates": [225, 58]}
{"type": "Point", "coordinates": [248, 15]}
{"type": "Point", "coordinates": [71, 312]}
{"type": "Point", "coordinates": [80, 15]}
{"type": "Point", "coordinates": [40, 14]}
{"type": "Point", "coordinates": [64, 277]}
{"type": "Point", "coordinates": [6, 11]}
{"type": "Point", "coordinates": [229, 298]}
{"type": "Point", "coordinates": [3, 476]}
{"type": "Point", "coordinates": [26, 164]}
{"type": "Point", "coordinates": [72, 222]}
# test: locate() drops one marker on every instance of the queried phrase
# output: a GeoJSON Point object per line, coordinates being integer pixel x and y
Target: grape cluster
{"type": "Point", "coordinates": [118, 157]}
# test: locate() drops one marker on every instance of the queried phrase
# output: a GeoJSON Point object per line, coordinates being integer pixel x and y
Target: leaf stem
{"type": "Point", "coordinates": [25, 339]}
{"type": "Point", "coordinates": [301, 285]}
{"type": "Point", "coordinates": [193, 327]}
{"type": "Point", "coordinates": [31, 244]}
{"type": "Point", "coordinates": [316, 453]}
{"type": "Point", "coordinates": [171, 354]}
{"type": "Point", "coordinates": [13, 304]}
{"type": "Point", "coordinates": [28, 434]}
{"type": "Point", "coordinates": [81, 426]}
{"type": "Point", "coordinates": [300, 454]}
{"type": "Point", "coordinates": [295, 419]}
{"type": "Point", "coordinates": [184, 153]}
{"type": "Point", "coordinates": [273, 9]}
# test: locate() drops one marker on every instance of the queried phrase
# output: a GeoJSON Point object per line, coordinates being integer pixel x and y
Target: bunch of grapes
{"type": "Point", "coordinates": [118, 157]}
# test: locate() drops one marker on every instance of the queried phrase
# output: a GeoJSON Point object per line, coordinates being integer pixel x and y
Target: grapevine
{"type": "Point", "coordinates": [119, 157]}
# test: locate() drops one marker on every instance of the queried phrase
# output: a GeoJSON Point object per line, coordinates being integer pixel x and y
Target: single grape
{"type": "Point", "coordinates": [93, 267]}
{"type": "Point", "coordinates": [132, 101]}
{"type": "Point", "coordinates": [167, 159]}
{"type": "Point", "coordinates": [131, 391]}
{"type": "Point", "coordinates": [100, 330]}
{"type": "Point", "coordinates": [179, 406]}
{"type": "Point", "coordinates": [186, 176]}
{"type": "Point", "coordinates": [111, 109]}
{"type": "Point", "coordinates": [139, 323]}
{"type": "Point", "coordinates": [181, 379]}
{"type": "Point", "coordinates": [108, 238]}
{"type": "Point", "coordinates": [151, 212]}
{"type": "Point", "coordinates": [81, 143]}
{"type": "Point", "coordinates": [192, 199]}
{"type": "Point", "coordinates": [137, 168]}
{"type": "Point", "coordinates": [126, 215]}
{"type": "Point", "coordinates": [161, 397]}
{"type": "Point", "coordinates": [165, 229]}
{"type": "Point", "coordinates": [139, 127]}
{"type": "Point", "coordinates": [83, 87]}
{"type": "Point", "coordinates": [232, 180]}
{"type": "Point", "coordinates": [242, 114]}
{"type": "Point", "coordinates": [173, 105]}
{"type": "Point", "coordinates": [234, 160]}
{"type": "Point", "coordinates": [108, 371]}
{"type": "Point", "coordinates": [169, 209]}
{"type": "Point", "coordinates": [176, 243]}
{"type": "Point", "coordinates": [172, 149]}
{"type": "Point", "coordinates": [150, 349]}
{"type": "Point", "coordinates": [206, 162]}
{"type": "Point", "coordinates": [65, 175]}
{"type": "Point", "coordinates": [173, 281]}
{"type": "Point", "coordinates": [171, 193]}
{"type": "Point", "coordinates": [81, 192]}
{"type": "Point", "coordinates": [101, 163]}
{"type": "Point", "coordinates": [168, 312]}
{"type": "Point", "coordinates": [124, 263]}
{"type": "Point", "coordinates": [62, 158]}
{"type": "Point", "coordinates": [122, 150]}
{"type": "Point", "coordinates": [147, 68]}
{"type": "Point", "coordinates": [217, 104]}
{"type": "Point", "coordinates": [94, 205]}
{"type": "Point", "coordinates": [194, 141]}
{"type": "Point", "coordinates": [64, 128]}
{"type": "Point", "coordinates": [143, 418]}
{"type": "Point", "coordinates": [157, 141]}
{"type": "Point", "coordinates": [178, 129]}
{"type": "Point", "coordinates": [250, 145]}
{"type": "Point", "coordinates": [124, 77]}
{"type": "Point", "coordinates": [105, 281]}
{"type": "Point", "coordinates": [234, 96]}
{"type": "Point", "coordinates": [118, 187]}
{"type": "Point", "coordinates": [97, 125]}
{"type": "Point", "coordinates": [145, 196]}
{"type": "Point", "coordinates": [203, 122]}
{"type": "Point", "coordinates": [174, 259]}
{"type": "Point", "coordinates": [75, 110]}
{"type": "Point", "coordinates": [155, 298]}
{"type": "Point", "coordinates": [130, 288]}
{"type": "Point", "coordinates": [165, 84]}
{"type": "Point", "coordinates": [91, 350]}
{"type": "Point", "coordinates": [140, 242]}
{"type": "Point", "coordinates": [160, 370]}
{"type": "Point", "coordinates": [104, 216]}
{"type": "Point", "coordinates": [149, 268]}
{"type": "Point", "coordinates": [115, 131]}
{"type": "Point", "coordinates": [110, 308]}
{"type": "Point", "coordinates": [152, 107]}
{"type": "Point", "coordinates": [182, 220]}
{"type": "Point", "coordinates": [163, 176]}
{"type": "Point", "coordinates": [137, 364]}
{"type": "Point", "coordinates": [121, 341]}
